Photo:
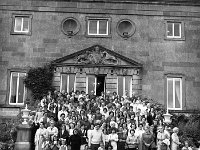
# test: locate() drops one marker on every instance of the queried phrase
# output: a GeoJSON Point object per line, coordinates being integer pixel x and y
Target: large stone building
{"type": "Point", "coordinates": [144, 47]}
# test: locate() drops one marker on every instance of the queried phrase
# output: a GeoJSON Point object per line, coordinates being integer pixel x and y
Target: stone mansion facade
{"type": "Point", "coordinates": [140, 47]}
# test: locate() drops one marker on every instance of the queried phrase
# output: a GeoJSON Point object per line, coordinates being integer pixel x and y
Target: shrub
{"type": "Point", "coordinates": [39, 81]}
{"type": "Point", "coordinates": [189, 128]}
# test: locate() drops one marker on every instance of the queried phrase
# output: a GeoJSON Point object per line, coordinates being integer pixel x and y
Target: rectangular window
{"type": "Point", "coordinates": [174, 93]}
{"type": "Point", "coordinates": [124, 85]}
{"type": "Point", "coordinates": [175, 30]}
{"type": "Point", "coordinates": [17, 88]}
{"type": "Point", "coordinates": [91, 84]}
{"type": "Point", "coordinates": [67, 82]}
{"type": "Point", "coordinates": [99, 27]}
{"type": "Point", "coordinates": [21, 24]}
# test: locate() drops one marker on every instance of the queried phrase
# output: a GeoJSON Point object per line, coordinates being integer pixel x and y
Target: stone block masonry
{"type": "Point", "coordinates": [147, 45]}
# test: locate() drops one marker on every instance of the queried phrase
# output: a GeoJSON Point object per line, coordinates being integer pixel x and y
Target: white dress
{"type": "Point", "coordinates": [175, 141]}
{"type": "Point", "coordinates": [113, 138]}
{"type": "Point", "coordinates": [40, 136]}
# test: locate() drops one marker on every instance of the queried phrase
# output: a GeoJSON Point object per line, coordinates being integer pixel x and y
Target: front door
{"type": "Point", "coordinates": [100, 84]}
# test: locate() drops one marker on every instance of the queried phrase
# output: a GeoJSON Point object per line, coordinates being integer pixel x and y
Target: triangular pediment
{"type": "Point", "coordinates": [96, 55]}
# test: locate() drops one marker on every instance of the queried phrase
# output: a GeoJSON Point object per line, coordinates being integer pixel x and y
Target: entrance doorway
{"type": "Point", "coordinates": [100, 84]}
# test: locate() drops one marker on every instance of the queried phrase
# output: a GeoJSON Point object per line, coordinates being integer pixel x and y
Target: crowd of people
{"type": "Point", "coordinates": [80, 121]}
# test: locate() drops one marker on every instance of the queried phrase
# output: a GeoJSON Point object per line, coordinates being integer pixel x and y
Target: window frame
{"type": "Point", "coordinates": [181, 93]}
{"type": "Point", "coordinates": [10, 86]}
{"type": "Point", "coordinates": [68, 78]}
{"type": "Point", "coordinates": [124, 85]}
{"type": "Point", "coordinates": [98, 19]}
{"type": "Point", "coordinates": [14, 16]}
{"type": "Point", "coordinates": [181, 30]}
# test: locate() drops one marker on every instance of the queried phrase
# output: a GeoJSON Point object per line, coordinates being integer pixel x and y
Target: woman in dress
{"type": "Point", "coordinates": [113, 138]}
{"type": "Point", "coordinates": [122, 139]}
{"type": "Point", "coordinates": [75, 140]}
{"type": "Point", "coordinates": [175, 139]}
{"type": "Point", "coordinates": [40, 136]}
{"type": "Point", "coordinates": [132, 140]}
{"type": "Point", "coordinates": [147, 139]}
{"type": "Point", "coordinates": [162, 139]}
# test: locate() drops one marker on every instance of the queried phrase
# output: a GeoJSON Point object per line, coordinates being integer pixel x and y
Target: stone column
{"type": "Point", "coordinates": [23, 141]}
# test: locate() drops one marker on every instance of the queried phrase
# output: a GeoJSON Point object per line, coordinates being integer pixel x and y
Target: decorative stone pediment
{"type": "Point", "coordinates": [96, 56]}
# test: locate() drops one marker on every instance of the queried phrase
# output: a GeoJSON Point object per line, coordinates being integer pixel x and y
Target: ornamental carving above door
{"type": "Point", "coordinates": [96, 56]}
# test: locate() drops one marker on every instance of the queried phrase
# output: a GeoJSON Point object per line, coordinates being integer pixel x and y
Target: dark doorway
{"type": "Point", "coordinates": [100, 85]}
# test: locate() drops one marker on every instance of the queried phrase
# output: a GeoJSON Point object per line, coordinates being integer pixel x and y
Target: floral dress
{"type": "Point", "coordinates": [160, 138]}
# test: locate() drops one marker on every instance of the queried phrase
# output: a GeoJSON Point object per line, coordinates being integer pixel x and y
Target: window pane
{"type": "Point", "coordinates": [120, 85]}
{"type": "Point", "coordinates": [102, 26]}
{"type": "Point", "coordinates": [169, 29]}
{"type": "Point", "coordinates": [21, 90]}
{"type": "Point", "coordinates": [71, 82]}
{"type": "Point", "coordinates": [93, 27]}
{"type": "Point", "coordinates": [177, 94]}
{"type": "Point", "coordinates": [18, 24]}
{"type": "Point", "coordinates": [64, 82]}
{"type": "Point", "coordinates": [91, 83]}
{"type": "Point", "coordinates": [26, 24]}
{"type": "Point", "coordinates": [170, 93]}
{"type": "Point", "coordinates": [13, 87]}
{"type": "Point", "coordinates": [176, 29]}
{"type": "Point", "coordinates": [128, 84]}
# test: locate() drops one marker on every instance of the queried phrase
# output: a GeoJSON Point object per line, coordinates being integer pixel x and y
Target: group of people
{"type": "Point", "coordinates": [80, 121]}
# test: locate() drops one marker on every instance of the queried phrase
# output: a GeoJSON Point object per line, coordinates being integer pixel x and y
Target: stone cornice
{"type": "Point", "coordinates": [102, 8]}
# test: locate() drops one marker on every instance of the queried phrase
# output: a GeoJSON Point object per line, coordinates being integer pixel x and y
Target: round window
{"type": "Point", "coordinates": [125, 28]}
{"type": "Point", "coordinates": [70, 26]}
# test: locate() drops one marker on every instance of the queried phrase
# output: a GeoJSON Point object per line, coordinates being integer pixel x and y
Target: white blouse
{"type": "Point", "coordinates": [113, 137]}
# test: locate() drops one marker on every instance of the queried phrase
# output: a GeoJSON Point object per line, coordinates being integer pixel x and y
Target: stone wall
{"type": "Point", "coordinates": [147, 46]}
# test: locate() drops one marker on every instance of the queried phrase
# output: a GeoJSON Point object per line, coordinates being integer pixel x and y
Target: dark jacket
{"type": "Point", "coordinates": [64, 135]}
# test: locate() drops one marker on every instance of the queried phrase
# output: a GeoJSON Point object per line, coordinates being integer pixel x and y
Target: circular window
{"type": "Point", "coordinates": [125, 28]}
{"type": "Point", "coordinates": [70, 26]}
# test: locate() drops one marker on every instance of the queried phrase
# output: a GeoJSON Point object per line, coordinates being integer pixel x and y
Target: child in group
{"type": "Point", "coordinates": [54, 145]}
{"type": "Point", "coordinates": [63, 145]}
{"type": "Point", "coordinates": [46, 144]}
{"type": "Point", "coordinates": [186, 146]}
{"type": "Point", "coordinates": [101, 147]}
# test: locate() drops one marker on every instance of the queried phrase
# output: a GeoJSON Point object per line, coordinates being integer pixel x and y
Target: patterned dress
{"type": "Point", "coordinates": [160, 138]}
{"type": "Point", "coordinates": [40, 136]}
